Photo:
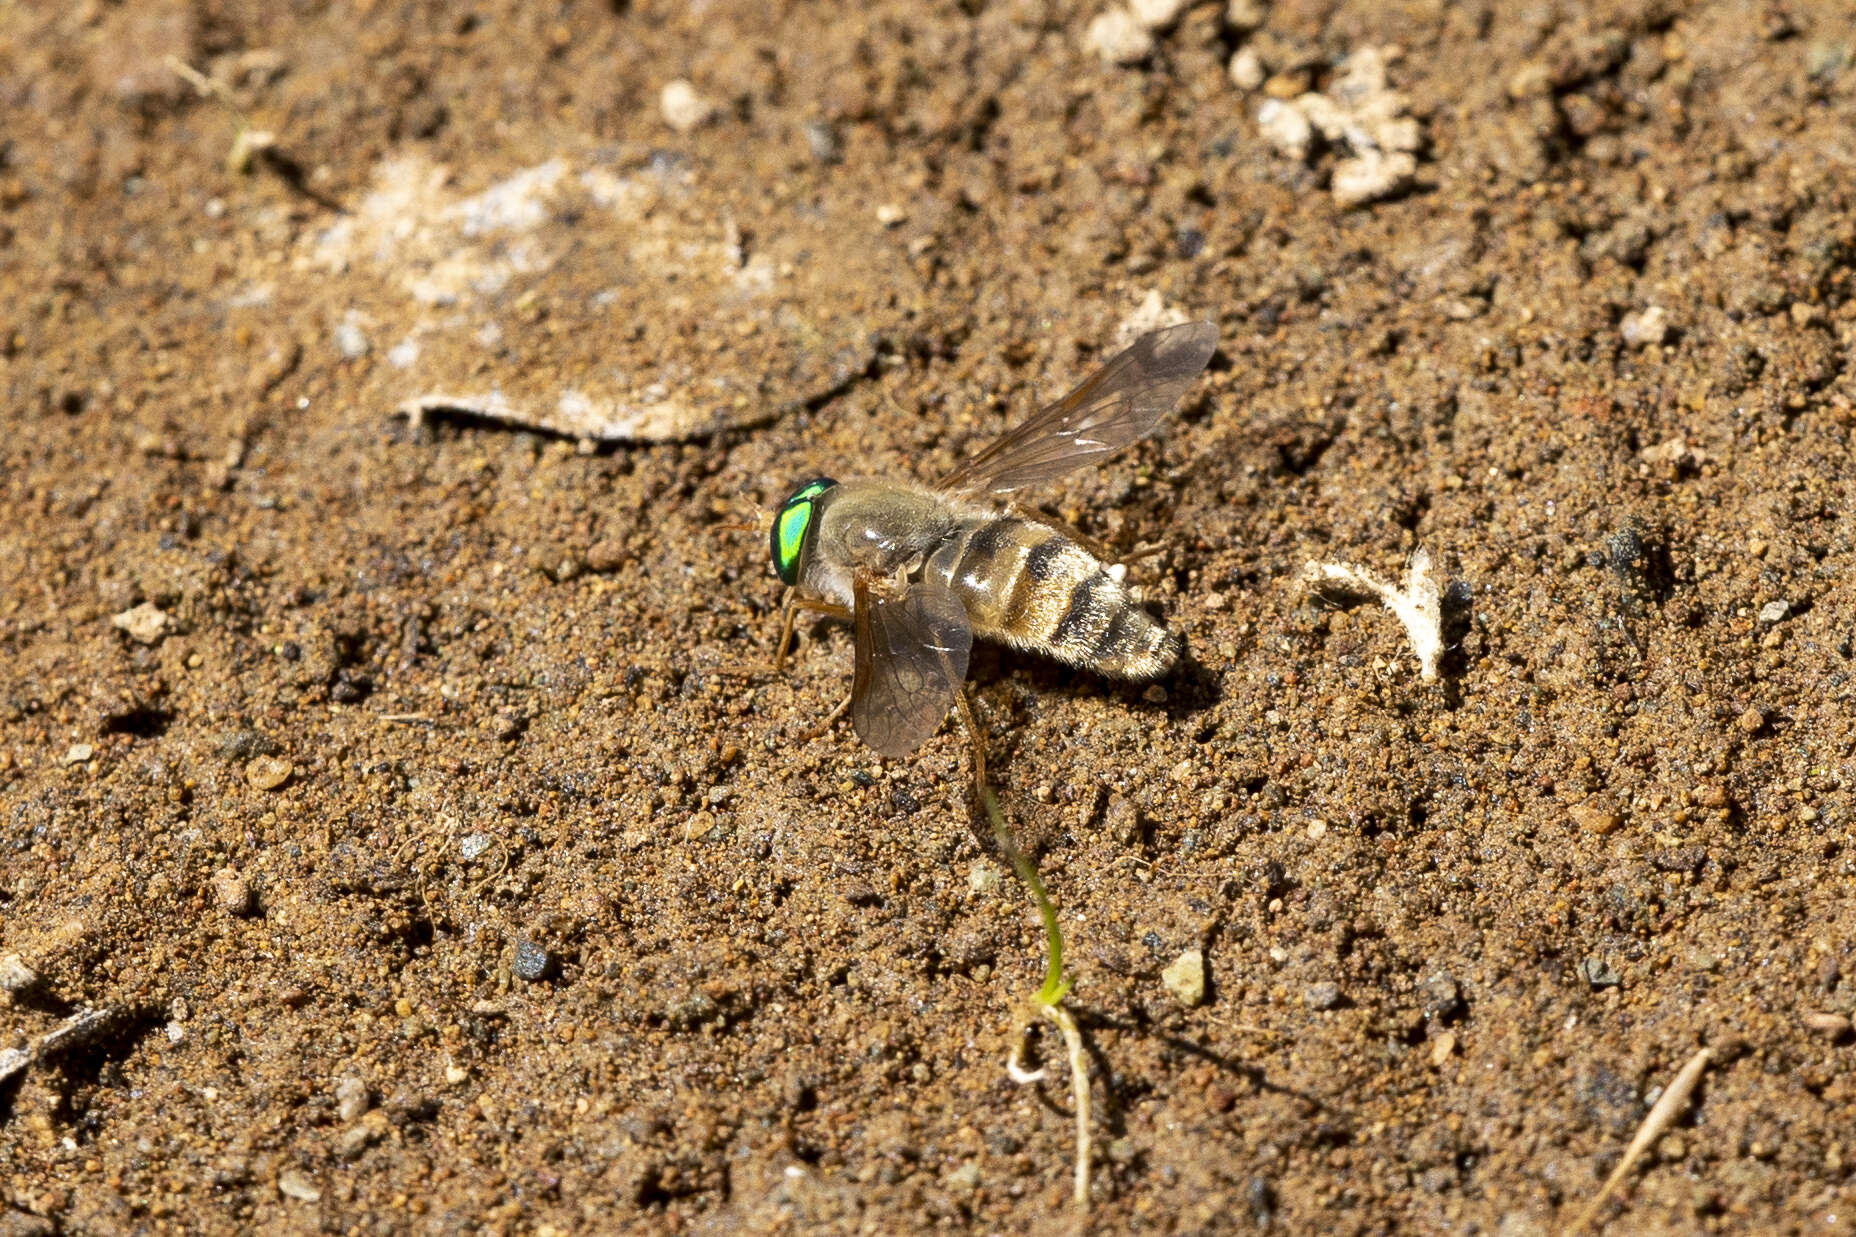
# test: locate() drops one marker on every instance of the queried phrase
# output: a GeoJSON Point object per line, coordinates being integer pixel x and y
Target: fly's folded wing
{"type": "Point", "coordinates": [911, 658]}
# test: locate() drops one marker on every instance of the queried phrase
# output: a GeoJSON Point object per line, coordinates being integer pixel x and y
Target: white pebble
{"type": "Point", "coordinates": [146, 623]}
{"type": "Point", "coordinates": [683, 108]}
{"type": "Point", "coordinates": [1646, 328]}
{"type": "Point", "coordinates": [1246, 14]}
{"type": "Point", "coordinates": [292, 1183]}
{"type": "Point", "coordinates": [1284, 126]}
{"type": "Point", "coordinates": [1118, 37]}
{"type": "Point", "coordinates": [1185, 978]}
{"type": "Point", "coordinates": [1157, 14]}
{"type": "Point", "coordinates": [350, 339]}
{"type": "Point", "coordinates": [1373, 175]}
{"type": "Point", "coordinates": [1247, 72]}
{"type": "Point", "coordinates": [15, 975]}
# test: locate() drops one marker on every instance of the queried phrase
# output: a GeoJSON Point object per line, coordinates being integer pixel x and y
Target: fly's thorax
{"type": "Point", "coordinates": [1028, 585]}
{"type": "Point", "coordinates": [876, 528]}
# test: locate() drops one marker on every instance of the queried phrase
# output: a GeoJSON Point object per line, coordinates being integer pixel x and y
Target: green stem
{"type": "Point", "coordinates": [1055, 986]}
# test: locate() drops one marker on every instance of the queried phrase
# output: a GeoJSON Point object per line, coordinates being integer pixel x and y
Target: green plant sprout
{"type": "Point", "coordinates": [1047, 1002]}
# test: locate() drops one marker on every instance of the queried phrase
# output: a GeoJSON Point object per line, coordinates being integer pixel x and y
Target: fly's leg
{"type": "Point", "coordinates": [976, 740]}
{"type": "Point", "coordinates": [830, 720]}
{"type": "Point", "coordinates": [794, 604]}
{"type": "Point", "coordinates": [790, 609]}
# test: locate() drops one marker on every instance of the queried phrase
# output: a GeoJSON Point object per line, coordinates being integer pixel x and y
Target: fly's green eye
{"type": "Point", "coordinates": [792, 524]}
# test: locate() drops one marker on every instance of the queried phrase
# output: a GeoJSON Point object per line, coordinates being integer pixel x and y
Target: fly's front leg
{"type": "Point", "coordinates": [789, 615]}
{"type": "Point", "coordinates": [794, 604]}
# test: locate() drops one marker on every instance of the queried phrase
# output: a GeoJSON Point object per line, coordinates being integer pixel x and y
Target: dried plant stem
{"type": "Point", "coordinates": [1661, 1114]}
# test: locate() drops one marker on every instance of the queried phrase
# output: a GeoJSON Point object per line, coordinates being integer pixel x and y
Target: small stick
{"type": "Point", "coordinates": [1653, 1125]}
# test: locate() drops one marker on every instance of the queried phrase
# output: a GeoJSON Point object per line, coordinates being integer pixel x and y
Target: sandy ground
{"type": "Point", "coordinates": [376, 797]}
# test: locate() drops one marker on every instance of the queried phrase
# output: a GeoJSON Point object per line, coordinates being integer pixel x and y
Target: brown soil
{"type": "Point", "coordinates": [431, 872]}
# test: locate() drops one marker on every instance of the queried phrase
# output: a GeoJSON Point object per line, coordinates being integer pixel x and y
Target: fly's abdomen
{"type": "Point", "coordinates": [1029, 586]}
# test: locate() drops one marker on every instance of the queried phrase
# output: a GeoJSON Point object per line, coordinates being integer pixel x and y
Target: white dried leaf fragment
{"type": "Point", "coordinates": [1418, 605]}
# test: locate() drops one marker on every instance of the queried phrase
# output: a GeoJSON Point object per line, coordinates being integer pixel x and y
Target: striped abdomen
{"type": "Point", "coordinates": [1027, 585]}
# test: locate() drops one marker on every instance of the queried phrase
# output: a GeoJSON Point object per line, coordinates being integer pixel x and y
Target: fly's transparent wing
{"type": "Point", "coordinates": [911, 659]}
{"type": "Point", "coordinates": [1118, 404]}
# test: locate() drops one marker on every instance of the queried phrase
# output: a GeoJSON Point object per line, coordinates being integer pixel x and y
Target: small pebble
{"type": "Point", "coordinates": [1118, 37]}
{"type": "Point", "coordinates": [472, 845]}
{"type": "Point", "coordinates": [293, 1183]}
{"type": "Point", "coordinates": [1247, 71]}
{"type": "Point", "coordinates": [1443, 998]}
{"type": "Point", "coordinates": [1324, 995]}
{"type": "Point", "coordinates": [1157, 14]}
{"type": "Point", "coordinates": [15, 975]}
{"type": "Point", "coordinates": [891, 215]}
{"type": "Point", "coordinates": [1753, 720]}
{"type": "Point", "coordinates": [232, 891]}
{"type": "Point", "coordinates": [1599, 973]}
{"type": "Point", "coordinates": [1532, 80]}
{"type": "Point", "coordinates": [1285, 127]}
{"type": "Point", "coordinates": [1290, 84]}
{"type": "Point", "coordinates": [1646, 328]}
{"type": "Point", "coordinates": [1246, 14]}
{"type": "Point", "coordinates": [533, 963]}
{"type": "Point", "coordinates": [824, 142]}
{"type": "Point", "coordinates": [267, 772]}
{"type": "Point", "coordinates": [350, 340]}
{"type": "Point", "coordinates": [354, 1142]}
{"type": "Point", "coordinates": [683, 108]}
{"type": "Point", "coordinates": [238, 744]}
{"type": "Point", "coordinates": [79, 753]}
{"type": "Point", "coordinates": [1371, 176]}
{"type": "Point", "coordinates": [1185, 978]}
{"type": "Point", "coordinates": [351, 1098]}
{"type": "Point", "coordinates": [964, 1179]}
{"type": "Point", "coordinates": [1833, 1027]}
{"type": "Point", "coordinates": [1596, 818]}
{"type": "Point", "coordinates": [146, 623]}
{"type": "Point", "coordinates": [1775, 612]}
{"type": "Point", "coordinates": [1441, 1048]}
{"type": "Point", "coordinates": [1122, 820]}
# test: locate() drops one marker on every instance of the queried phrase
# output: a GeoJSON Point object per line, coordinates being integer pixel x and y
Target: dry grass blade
{"type": "Point", "coordinates": [1661, 1115]}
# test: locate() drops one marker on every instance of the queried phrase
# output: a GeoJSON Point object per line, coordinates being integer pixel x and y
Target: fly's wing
{"type": "Point", "coordinates": [1118, 404]}
{"type": "Point", "coordinates": [911, 659]}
